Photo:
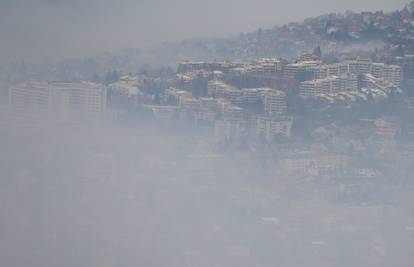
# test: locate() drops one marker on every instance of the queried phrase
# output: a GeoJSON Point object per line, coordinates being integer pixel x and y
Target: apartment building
{"type": "Point", "coordinates": [275, 102]}
{"type": "Point", "coordinates": [334, 84]}
{"type": "Point", "coordinates": [271, 127]}
{"type": "Point", "coordinates": [57, 101]}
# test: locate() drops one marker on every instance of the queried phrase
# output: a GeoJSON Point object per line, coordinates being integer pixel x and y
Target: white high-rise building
{"type": "Point", "coordinates": [292, 71]}
{"type": "Point", "coordinates": [390, 73]}
{"type": "Point", "coordinates": [271, 127]}
{"type": "Point", "coordinates": [275, 102]}
{"type": "Point", "coordinates": [393, 74]}
{"type": "Point", "coordinates": [333, 84]}
{"type": "Point", "coordinates": [57, 101]}
{"type": "Point", "coordinates": [30, 101]}
{"type": "Point", "coordinates": [78, 100]}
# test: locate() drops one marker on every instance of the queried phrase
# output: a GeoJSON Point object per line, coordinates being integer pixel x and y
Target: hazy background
{"type": "Point", "coordinates": [35, 30]}
{"type": "Point", "coordinates": [135, 193]}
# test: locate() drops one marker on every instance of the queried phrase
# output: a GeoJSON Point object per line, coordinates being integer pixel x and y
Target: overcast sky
{"type": "Point", "coordinates": [56, 29]}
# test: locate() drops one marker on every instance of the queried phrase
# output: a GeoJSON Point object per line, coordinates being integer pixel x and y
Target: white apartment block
{"type": "Point", "coordinates": [251, 96]}
{"type": "Point", "coordinates": [291, 71]}
{"type": "Point", "coordinates": [30, 101]}
{"type": "Point", "coordinates": [271, 127]}
{"type": "Point", "coordinates": [59, 101]}
{"type": "Point", "coordinates": [333, 84]}
{"type": "Point", "coordinates": [390, 73]}
{"type": "Point", "coordinates": [234, 95]}
{"type": "Point", "coordinates": [87, 100]}
{"type": "Point", "coordinates": [232, 113]}
{"type": "Point", "coordinates": [275, 102]}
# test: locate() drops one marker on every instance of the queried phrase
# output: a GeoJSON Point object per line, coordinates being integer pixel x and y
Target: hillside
{"type": "Point", "coordinates": [378, 35]}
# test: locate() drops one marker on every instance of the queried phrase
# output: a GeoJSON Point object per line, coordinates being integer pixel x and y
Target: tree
{"type": "Point", "coordinates": [395, 16]}
{"type": "Point", "coordinates": [317, 51]}
{"type": "Point", "coordinates": [111, 77]}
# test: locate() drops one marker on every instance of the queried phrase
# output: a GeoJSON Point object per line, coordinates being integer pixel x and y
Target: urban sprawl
{"type": "Point", "coordinates": [328, 136]}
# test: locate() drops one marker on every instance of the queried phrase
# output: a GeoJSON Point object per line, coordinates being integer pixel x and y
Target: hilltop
{"type": "Point", "coordinates": [378, 35]}
{"type": "Point", "coordinates": [387, 34]}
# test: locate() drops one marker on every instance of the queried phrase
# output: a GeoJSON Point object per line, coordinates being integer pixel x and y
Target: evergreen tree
{"type": "Point", "coordinates": [318, 51]}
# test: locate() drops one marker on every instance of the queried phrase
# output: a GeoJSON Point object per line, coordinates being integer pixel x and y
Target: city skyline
{"type": "Point", "coordinates": [285, 146]}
